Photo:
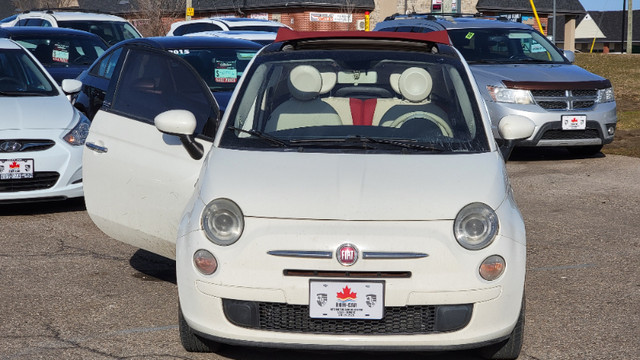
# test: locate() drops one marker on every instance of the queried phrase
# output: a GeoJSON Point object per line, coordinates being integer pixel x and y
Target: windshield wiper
{"type": "Point", "coordinates": [260, 135]}
{"type": "Point", "coordinates": [21, 93]}
{"type": "Point", "coordinates": [365, 141]}
{"type": "Point", "coordinates": [405, 143]}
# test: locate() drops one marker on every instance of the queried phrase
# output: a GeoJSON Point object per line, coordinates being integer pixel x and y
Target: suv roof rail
{"type": "Point", "coordinates": [73, 9]}
{"type": "Point", "coordinates": [432, 16]}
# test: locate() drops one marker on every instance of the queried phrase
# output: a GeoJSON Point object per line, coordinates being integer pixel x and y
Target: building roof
{"type": "Point", "coordinates": [610, 22]}
{"type": "Point", "coordinates": [563, 7]}
{"type": "Point", "coordinates": [225, 6]}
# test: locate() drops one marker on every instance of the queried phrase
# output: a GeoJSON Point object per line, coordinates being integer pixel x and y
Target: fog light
{"type": "Point", "coordinates": [205, 262]}
{"type": "Point", "coordinates": [492, 267]}
{"type": "Point", "coordinates": [611, 130]}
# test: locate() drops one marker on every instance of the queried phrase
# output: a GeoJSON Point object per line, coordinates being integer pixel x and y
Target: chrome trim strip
{"type": "Point", "coordinates": [302, 254]}
{"type": "Point", "coordinates": [392, 255]}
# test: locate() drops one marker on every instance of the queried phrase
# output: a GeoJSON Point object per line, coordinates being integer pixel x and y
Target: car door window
{"type": "Point", "coordinates": [107, 65]}
{"type": "Point", "coordinates": [154, 81]}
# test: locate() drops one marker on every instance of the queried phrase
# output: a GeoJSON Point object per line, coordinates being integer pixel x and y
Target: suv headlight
{"type": "Point", "coordinates": [79, 133]}
{"type": "Point", "coordinates": [222, 221]}
{"type": "Point", "coordinates": [512, 96]}
{"type": "Point", "coordinates": [476, 226]}
{"type": "Point", "coordinates": [605, 95]}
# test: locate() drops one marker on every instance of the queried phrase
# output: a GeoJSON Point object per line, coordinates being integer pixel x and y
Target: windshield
{"type": "Point", "coordinates": [504, 46]}
{"type": "Point", "coordinates": [220, 68]}
{"type": "Point", "coordinates": [345, 100]}
{"type": "Point", "coordinates": [110, 31]}
{"type": "Point", "coordinates": [20, 76]}
{"type": "Point", "coordinates": [59, 51]}
{"type": "Point", "coordinates": [265, 28]}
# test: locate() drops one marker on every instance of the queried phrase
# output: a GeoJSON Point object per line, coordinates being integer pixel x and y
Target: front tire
{"type": "Point", "coordinates": [510, 348]}
{"type": "Point", "coordinates": [192, 342]}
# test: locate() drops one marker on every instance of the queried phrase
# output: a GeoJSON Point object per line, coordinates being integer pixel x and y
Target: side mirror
{"type": "Point", "coordinates": [570, 55]}
{"type": "Point", "coordinates": [513, 128]}
{"type": "Point", "coordinates": [181, 123]}
{"type": "Point", "coordinates": [71, 86]}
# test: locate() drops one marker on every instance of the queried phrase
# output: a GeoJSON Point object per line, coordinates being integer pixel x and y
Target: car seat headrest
{"type": "Point", "coordinates": [414, 84]}
{"type": "Point", "coordinates": [305, 82]}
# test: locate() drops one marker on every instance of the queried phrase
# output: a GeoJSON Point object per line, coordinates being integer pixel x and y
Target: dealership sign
{"type": "Point", "coordinates": [330, 17]}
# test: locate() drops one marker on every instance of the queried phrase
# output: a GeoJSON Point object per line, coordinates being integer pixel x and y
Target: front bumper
{"type": "Point", "coordinates": [447, 280]}
{"type": "Point", "coordinates": [548, 128]}
{"type": "Point", "coordinates": [57, 170]}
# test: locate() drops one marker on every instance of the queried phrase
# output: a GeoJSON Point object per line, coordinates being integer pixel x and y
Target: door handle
{"type": "Point", "coordinates": [96, 148]}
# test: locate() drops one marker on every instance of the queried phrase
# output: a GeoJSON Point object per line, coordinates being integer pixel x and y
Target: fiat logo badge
{"type": "Point", "coordinates": [347, 254]}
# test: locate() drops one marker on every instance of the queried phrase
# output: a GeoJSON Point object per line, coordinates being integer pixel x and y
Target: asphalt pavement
{"type": "Point", "coordinates": [67, 291]}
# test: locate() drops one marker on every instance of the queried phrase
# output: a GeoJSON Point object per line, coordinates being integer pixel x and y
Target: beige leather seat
{"type": "Point", "coordinates": [304, 109]}
{"type": "Point", "coordinates": [414, 86]}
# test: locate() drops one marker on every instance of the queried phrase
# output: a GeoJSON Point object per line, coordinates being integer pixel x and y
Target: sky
{"type": "Point", "coordinates": [604, 5]}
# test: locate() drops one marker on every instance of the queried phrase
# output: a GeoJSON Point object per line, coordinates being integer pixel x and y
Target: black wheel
{"type": "Point", "coordinates": [192, 342]}
{"type": "Point", "coordinates": [510, 348]}
{"type": "Point", "coordinates": [585, 150]}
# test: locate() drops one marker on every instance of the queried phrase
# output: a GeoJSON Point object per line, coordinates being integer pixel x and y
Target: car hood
{"type": "Point", "coordinates": [324, 186]}
{"type": "Point", "coordinates": [36, 112]}
{"type": "Point", "coordinates": [495, 74]}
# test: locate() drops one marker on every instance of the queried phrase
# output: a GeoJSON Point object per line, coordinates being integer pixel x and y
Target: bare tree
{"type": "Point", "coordinates": [348, 8]}
{"type": "Point", "coordinates": [44, 4]}
{"type": "Point", "coordinates": [155, 16]}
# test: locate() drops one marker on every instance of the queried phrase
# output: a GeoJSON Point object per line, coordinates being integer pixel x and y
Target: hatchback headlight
{"type": "Point", "coordinates": [79, 133]}
{"type": "Point", "coordinates": [476, 226]}
{"type": "Point", "coordinates": [222, 221]}
{"type": "Point", "coordinates": [605, 95]}
{"type": "Point", "coordinates": [512, 96]}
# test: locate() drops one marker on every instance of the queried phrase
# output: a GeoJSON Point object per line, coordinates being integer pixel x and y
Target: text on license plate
{"type": "Point", "coordinates": [335, 299]}
{"type": "Point", "coordinates": [574, 122]}
{"type": "Point", "coordinates": [16, 168]}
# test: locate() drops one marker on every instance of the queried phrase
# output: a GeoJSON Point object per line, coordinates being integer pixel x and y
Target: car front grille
{"type": "Point", "coordinates": [570, 135]}
{"type": "Point", "coordinates": [565, 99]}
{"type": "Point", "coordinates": [41, 180]}
{"type": "Point", "coordinates": [22, 145]}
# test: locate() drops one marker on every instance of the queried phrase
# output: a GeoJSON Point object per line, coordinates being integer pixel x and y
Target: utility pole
{"type": "Point", "coordinates": [189, 10]}
{"type": "Point", "coordinates": [624, 18]}
{"type": "Point", "coordinates": [555, 29]}
{"type": "Point", "coordinates": [630, 28]}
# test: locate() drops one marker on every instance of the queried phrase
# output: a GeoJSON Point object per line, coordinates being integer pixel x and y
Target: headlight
{"type": "Point", "coordinates": [222, 221]}
{"type": "Point", "coordinates": [513, 96]}
{"type": "Point", "coordinates": [476, 226]}
{"type": "Point", "coordinates": [78, 134]}
{"type": "Point", "coordinates": [605, 95]}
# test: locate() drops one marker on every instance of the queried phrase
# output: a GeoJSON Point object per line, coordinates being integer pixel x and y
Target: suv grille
{"type": "Point", "coordinates": [41, 180]}
{"type": "Point", "coordinates": [565, 99]}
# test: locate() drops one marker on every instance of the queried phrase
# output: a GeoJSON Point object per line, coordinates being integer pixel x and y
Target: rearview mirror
{"type": "Point", "coordinates": [181, 123]}
{"type": "Point", "coordinates": [570, 55]}
{"type": "Point", "coordinates": [513, 128]}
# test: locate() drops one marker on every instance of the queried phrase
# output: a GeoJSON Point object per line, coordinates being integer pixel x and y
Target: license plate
{"type": "Point", "coordinates": [331, 299]}
{"type": "Point", "coordinates": [16, 169]}
{"type": "Point", "coordinates": [574, 122]}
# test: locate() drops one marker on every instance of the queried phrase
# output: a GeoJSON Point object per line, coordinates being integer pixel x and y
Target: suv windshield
{"type": "Point", "coordinates": [20, 76]}
{"type": "Point", "coordinates": [356, 100]}
{"type": "Point", "coordinates": [504, 46]}
{"type": "Point", "coordinates": [110, 31]}
{"type": "Point", "coordinates": [220, 68]}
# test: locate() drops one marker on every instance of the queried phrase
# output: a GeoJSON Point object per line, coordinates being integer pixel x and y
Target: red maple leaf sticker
{"type": "Point", "coordinates": [15, 165]}
{"type": "Point", "coordinates": [574, 120]}
{"type": "Point", "coordinates": [346, 294]}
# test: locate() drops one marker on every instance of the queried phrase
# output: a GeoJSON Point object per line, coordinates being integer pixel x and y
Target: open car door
{"type": "Point", "coordinates": [137, 180]}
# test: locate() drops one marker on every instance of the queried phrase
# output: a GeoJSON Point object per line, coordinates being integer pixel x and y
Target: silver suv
{"type": "Point", "coordinates": [520, 72]}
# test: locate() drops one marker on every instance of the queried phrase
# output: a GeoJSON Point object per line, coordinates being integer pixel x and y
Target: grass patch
{"type": "Point", "coordinates": [623, 71]}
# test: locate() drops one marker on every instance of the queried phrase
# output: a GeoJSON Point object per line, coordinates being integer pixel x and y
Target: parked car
{"type": "Point", "coordinates": [223, 24]}
{"type": "Point", "coordinates": [220, 62]}
{"type": "Point", "coordinates": [41, 134]}
{"type": "Point", "coordinates": [519, 71]}
{"type": "Point", "coordinates": [65, 53]}
{"type": "Point", "coordinates": [260, 37]}
{"type": "Point", "coordinates": [112, 29]}
{"type": "Point", "coordinates": [353, 198]}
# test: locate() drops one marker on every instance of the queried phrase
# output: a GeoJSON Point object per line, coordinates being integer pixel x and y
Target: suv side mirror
{"type": "Point", "coordinates": [570, 55]}
{"type": "Point", "coordinates": [181, 123]}
{"type": "Point", "coordinates": [513, 128]}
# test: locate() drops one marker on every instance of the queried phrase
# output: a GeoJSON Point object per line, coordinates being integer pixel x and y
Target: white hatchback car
{"type": "Point", "coordinates": [41, 133]}
{"type": "Point", "coordinates": [353, 198]}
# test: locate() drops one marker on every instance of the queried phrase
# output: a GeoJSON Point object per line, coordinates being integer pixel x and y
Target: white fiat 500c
{"type": "Point", "coordinates": [353, 198]}
{"type": "Point", "coordinates": [41, 134]}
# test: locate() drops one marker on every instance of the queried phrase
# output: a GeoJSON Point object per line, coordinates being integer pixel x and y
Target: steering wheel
{"type": "Point", "coordinates": [10, 83]}
{"type": "Point", "coordinates": [444, 127]}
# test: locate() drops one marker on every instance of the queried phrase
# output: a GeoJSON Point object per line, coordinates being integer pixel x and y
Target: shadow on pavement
{"type": "Point", "coordinates": [548, 153]}
{"type": "Point", "coordinates": [153, 267]}
{"type": "Point", "coordinates": [41, 207]}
